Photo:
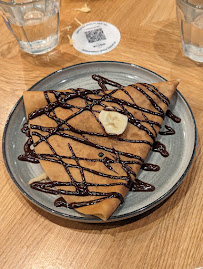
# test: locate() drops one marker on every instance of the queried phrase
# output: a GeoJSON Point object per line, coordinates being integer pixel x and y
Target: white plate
{"type": "Point", "coordinates": [180, 146]}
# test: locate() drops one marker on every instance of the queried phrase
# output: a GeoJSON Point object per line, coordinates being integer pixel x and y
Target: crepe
{"type": "Point", "coordinates": [91, 169]}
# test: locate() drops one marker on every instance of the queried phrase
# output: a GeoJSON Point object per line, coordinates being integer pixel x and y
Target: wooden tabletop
{"type": "Point", "coordinates": [170, 236]}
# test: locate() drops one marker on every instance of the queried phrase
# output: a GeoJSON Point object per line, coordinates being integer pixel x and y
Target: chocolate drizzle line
{"type": "Point", "coordinates": [170, 131]}
{"type": "Point", "coordinates": [172, 116]}
{"type": "Point", "coordinates": [161, 148]}
{"type": "Point", "coordinates": [103, 96]}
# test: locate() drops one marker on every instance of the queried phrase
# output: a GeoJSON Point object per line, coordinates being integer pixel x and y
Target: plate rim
{"type": "Point", "coordinates": [112, 218]}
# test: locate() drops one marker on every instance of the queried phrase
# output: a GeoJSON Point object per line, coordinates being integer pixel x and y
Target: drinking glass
{"type": "Point", "coordinates": [190, 18]}
{"type": "Point", "coordinates": [34, 24]}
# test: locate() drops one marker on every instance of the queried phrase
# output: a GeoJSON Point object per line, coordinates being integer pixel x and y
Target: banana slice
{"type": "Point", "coordinates": [113, 122]}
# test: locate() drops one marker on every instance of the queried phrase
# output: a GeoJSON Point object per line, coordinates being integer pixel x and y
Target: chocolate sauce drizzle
{"type": "Point", "coordinates": [170, 131]}
{"type": "Point", "coordinates": [161, 148]}
{"type": "Point", "coordinates": [94, 98]}
{"type": "Point", "coordinates": [172, 116]}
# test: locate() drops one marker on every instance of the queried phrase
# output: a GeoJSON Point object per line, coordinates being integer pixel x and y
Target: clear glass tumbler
{"type": "Point", "coordinates": [190, 18]}
{"type": "Point", "coordinates": [34, 24]}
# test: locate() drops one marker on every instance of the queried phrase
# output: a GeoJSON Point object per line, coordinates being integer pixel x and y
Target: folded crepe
{"type": "Point", "coordinates": [93, 170]}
